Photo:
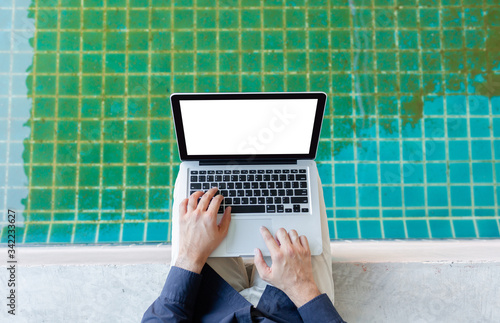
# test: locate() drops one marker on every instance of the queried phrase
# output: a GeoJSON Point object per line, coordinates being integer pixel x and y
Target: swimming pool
{"type": "Point", "coordinates": [408, 146]}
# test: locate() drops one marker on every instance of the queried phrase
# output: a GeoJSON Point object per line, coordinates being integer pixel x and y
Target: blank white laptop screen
{"type": "Point", "coordinates": [243, 127]}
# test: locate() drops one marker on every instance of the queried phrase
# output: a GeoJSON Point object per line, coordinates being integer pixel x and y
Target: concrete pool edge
{"type": "Point", "coordinates": [342, 251]}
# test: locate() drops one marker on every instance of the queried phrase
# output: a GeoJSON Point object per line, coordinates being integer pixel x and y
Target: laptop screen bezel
{"type": "Point", "coordinates": [175, 99]}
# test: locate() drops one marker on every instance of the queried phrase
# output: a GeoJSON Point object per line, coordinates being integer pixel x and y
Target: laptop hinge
{"type": "Point", "coordinates": [249, 162]}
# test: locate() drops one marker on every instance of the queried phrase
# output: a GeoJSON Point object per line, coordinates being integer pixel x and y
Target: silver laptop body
{"type": "Point", "coordinates": [259, 149]}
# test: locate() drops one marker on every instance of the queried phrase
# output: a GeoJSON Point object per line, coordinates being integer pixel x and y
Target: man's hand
{"type": "Point", "coordinates": [199, 234]}
{"type": "Point", "coordinates": [291, 269]}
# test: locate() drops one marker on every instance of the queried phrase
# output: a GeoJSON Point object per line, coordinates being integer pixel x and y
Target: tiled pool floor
{"type": "Point", "coordinates": [409, 143]}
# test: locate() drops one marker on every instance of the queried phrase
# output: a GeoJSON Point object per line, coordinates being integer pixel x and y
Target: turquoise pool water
{"type": "Point", "coordinates": [408, 148]}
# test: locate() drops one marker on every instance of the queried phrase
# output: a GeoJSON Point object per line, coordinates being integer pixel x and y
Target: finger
{"type": "Point", "coordinates": [294, 237]}
{"type": "Point", "coordinates": [305, 243]}
{"type": "Point", "coordinates": [183, 207]}
{"type": "Point", "coordinates": [214, 204]}
{"type": "Point", "coordinates": [225, 221]}
{"type": "Point", "coordinates": [283, 237]}
{"type": "Point", "coordinates": [271, 244]}
{"type": "Point", "coordinates": [203, 205]}
{"type": "Point", "coordinates": [193, 200]}
{"type": "Point", "coordinates": [261, 265]}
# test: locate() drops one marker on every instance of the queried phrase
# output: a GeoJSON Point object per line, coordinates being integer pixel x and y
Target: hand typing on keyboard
{"type": "Point", "coordinates": [199, 234]}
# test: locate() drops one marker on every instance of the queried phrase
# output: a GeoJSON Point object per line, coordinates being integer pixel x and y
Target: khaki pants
{"type": "Point", "coordinates": [251, 286]}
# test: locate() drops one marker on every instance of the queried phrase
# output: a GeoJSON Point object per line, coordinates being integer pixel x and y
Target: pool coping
{"type": "Point", "coordinates": [370, 251]}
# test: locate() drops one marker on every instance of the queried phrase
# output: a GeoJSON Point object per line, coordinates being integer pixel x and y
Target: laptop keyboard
{"type": "Point", "coordinates": [256, 191]}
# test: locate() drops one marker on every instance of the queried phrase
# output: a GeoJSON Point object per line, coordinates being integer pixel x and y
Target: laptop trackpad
{"type": "Point", "coordinates": [244, 237]}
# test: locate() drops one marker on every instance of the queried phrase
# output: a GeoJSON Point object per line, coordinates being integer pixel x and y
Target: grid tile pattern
{"type": "Point", "coordinates": [410, 137]}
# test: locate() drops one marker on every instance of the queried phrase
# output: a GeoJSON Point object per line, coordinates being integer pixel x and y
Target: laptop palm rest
{"type": "Point", "coordinates": [245, 237]}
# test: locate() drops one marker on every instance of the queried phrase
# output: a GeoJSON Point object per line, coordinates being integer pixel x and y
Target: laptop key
{"type": "Point", "coordinates": [258, 178]}
{"type": "Point", "coordinates": [253, 200]}
{"type": "Point", "coordinates": [203, 172]}
{"type": "Point", "coordinates": [267, 178]}
{"type": "Point", "coordinates": [211, 172]}
{"type": "Point", "coordinates": [236, 200]}
{"type": "Point", "coordinates": [274, 178]}
{"type": "Point", "coordinates": [194, 179]}
{"type": "Point", "coordinates": [265, 192]}
{"type": "Point", "coordinates": [277, 200]}
{"type": "Point", "coordinates": [238, 185]}
{"type": "Point", "coordinates": [277, 171]}
{"type": "Point", "coordinates": [279, 185]}
{"type": "Point", "coordinates": [255, 185]}
{"type": "Point", "coordinates": [289, 192]}
{"type": "Point", "coordinates": [262, 185]}
{"type": "Point", "coordinates": [244, 200]}
{"type": "Point", "coordinates": [194, 172]}
{"type": "Point", "coordinates": [291, 177]}
{"type": "Point", "coordinates": [299, 199]}
{"type": "Point", "coordinates": [260, 171]}
{"type": "Point", "coordinates": [244, 171]}
{"type": "Point", "coordinates": [300, 192]}
{"type": "Point", "coordinates": [271, 209]}
{"type": "Point", "coordinates": [248, 192]}
{"type": "Point", "coordinates": [256, 193]}
{"type": "Point", "coordinates": [286, 200]}
{"type": "Point", "coordinates": [300, 177]}
{"type": "Point", "coordinates": [224, 192]}
{"type": "Point", "coordinates": [191, 193]}
{"type": "Point", "coordinates": [269, 171]}
{"type": "Point", "coordinates": [269, 200]}
{"type": "Point", "coordinates": [303, 184]}
{"type": "Point", "coordinates": [195, 186]}
{"type": "Point", "coordinates": [222, 186]}
{"type": "Point", "coordinates": [240, 193]}
{"type": "Point", "coordinates": [286, 171]}
{"type": "Point", "coordinates": [218, 178]}
{"type": "Point", "coordinates": [242, 178]}
{"type": "Point", "coordinates": [227, 172]}
{"type": "Point", "coordinates": [281, 192]}
{"type": "Point", "coordinates": [202, 178]}
{"type": "Point", "coordinates": [261, 200]}
{"type": "Point", "coordinates": [246, 185]}
{"type": "Point", "coordinates": [280, 208]}
{"type": "Point", "coordinates": [206, 186]}
{"type": "Point", "coordinates": [295, 184]}
{"type": "Point", "coordinates": [232, 193]}
{"type": "Point", "coordinates": [230, 186]}
{"type": "Point", "coordinates": [282, 177]}
{"type": "Point", "coordinates": [210, 178]}
{"type": "Point", "coordinates": [253, 171]}
{"type": "Point", "coordinates": [288, 210]}
{"type": "Point", "coordinates": [295, 171]}
{"type": "Point", "coordinates": [236, 171]}
{"type": "Point", "coordinates": [273, 192]}
{"type": "Point", "coordinates": [287, 185]}
{"type": "Point", "coordinates": [270, 185]}
{"type": "Point", "coordinates": [302, 170]}
{"type": "Point", "coordinates": [296, 208]}
{"type": "Point", "coordinates": [305, 210]}
{"type": "Point", "coordinates": [234, 178]}
{"type": "Point", "coordinates": [228, 200]}
{"type": "Point", "coordinates": [250, 178]}
{"type": "Point", "coordinates": [248, 209]}
{"type": "Point", "coordinates": [218, 172]}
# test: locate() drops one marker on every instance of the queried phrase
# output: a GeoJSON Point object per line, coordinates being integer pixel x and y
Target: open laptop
{"type": "Point", "coordinates": [259, 150]}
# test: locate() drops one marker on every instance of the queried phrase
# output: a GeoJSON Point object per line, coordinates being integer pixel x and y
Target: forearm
{"type": "Point", "coordinates": [177, 299]}
{"type": "Point", "coordinates": [320, 309]}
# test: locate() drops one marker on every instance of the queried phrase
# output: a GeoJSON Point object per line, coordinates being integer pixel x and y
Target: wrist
{"type": "Point", "coordinates": [191, 264]}
{"type": "Point", "coordinates": [303, 294]}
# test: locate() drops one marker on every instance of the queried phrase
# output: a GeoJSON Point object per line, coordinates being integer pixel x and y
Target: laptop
{"type": "Point", "coordinates": [259, 150]}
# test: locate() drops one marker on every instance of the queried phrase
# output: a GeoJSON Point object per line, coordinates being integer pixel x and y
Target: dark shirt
{"type": "Point", "coordinates": [207, 297]}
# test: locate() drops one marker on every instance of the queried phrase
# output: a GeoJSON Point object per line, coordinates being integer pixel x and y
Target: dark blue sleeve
{"type": "Point", "coordinates": [320, 309]}
{"type": "Point", "coordinates": [177, 299]}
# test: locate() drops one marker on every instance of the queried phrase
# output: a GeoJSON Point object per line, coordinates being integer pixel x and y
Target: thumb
{"type": "Point", "coordinates": [263, 269]}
